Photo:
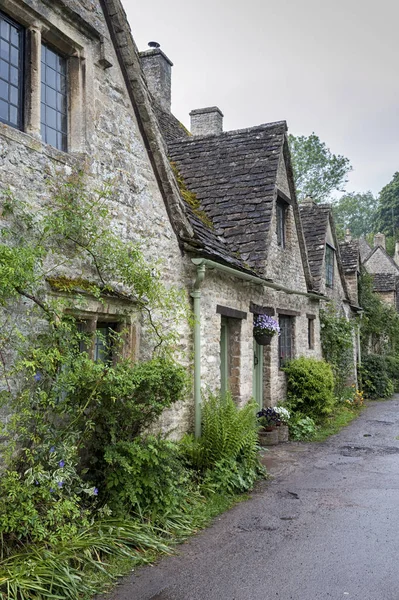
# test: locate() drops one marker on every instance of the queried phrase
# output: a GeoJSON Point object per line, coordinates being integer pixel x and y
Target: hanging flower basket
{"type": "Point", "coordinates": [265, 328]}
{"type": "Point", "coordinates": [263, 339]}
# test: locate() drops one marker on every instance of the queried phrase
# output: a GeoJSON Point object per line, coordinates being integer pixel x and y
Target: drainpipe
{"type": "Point", "coordinates": [196, 295]}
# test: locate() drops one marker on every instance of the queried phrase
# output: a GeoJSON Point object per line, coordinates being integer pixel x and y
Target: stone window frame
{"type": "Point", "coordinates": [38, 29]}
{"type": "Point", "coordinates": [286, 340]}
{"type": "Point", "coordinates": [311, 331]}
{"type": "Point", "coordinates": [121, 323]}
{"type": "Point", "coordinates": [329, 265]}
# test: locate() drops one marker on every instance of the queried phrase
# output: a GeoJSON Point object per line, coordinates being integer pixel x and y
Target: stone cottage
{"type": "Point", "coordinates": [383, 268]}
{"type": "Point", "coordinates": [218, 208]}
{"type": "Point", "coordinates": [335, 275]}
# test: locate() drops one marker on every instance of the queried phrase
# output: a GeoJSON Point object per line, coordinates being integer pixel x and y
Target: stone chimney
{"type": "Point", "coordinates": [396, 255]}
{"type": "Point", "coordinates": [308, 201]}
{"type": "Point", "coordinates": [348, 237]}
{"type": "Point", "coordinates": [206, 121]}
{"type": "Point", "coordinates": [158, 73]}
{"type": "Point", "coordinates": [379, 240]}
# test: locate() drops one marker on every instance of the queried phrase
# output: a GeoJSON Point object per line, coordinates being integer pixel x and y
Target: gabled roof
{"type": "Point", "coordinates": [385, 282]}
{"type": "Point", "coordinates": [233, 176]}
{"type": "Point", "coordinates": [315, 221]}
{"type": "Point", "coordinates": [386, 255]}
{"type": "Point", "coordinates": [364, 249]}
{"type": "Point", "coordinates": [350, 256]}
{"type": "Point", "coordinates": [315, 224]}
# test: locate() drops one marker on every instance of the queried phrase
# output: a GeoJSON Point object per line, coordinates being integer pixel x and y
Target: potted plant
{"type": "Point", "coordinates": [284, 417]}
{"type": "Point", "coordinates": [265, 328]}
{"type": "Point", "coordinates": [268, 420]}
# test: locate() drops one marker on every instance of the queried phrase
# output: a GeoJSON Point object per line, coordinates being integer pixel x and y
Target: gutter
{"type": "Point", "coordinates": [202, 264]}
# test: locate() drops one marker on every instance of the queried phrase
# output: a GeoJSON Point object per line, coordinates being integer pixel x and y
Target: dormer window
{"type": "Point", "coordinates": [330, 252]}
{"type": "Point", "coordinates": [281, 218]}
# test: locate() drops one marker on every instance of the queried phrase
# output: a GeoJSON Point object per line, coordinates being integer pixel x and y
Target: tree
{"type": "Point", "coordinates": [317, 171]}
{"type": "Point", "coordinates": [356, 212]}
{"type": "Point", "coordinates": [388, 208]}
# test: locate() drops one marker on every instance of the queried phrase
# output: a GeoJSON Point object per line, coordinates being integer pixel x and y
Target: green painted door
{"type": "Point", "coordinates": [257, 382]}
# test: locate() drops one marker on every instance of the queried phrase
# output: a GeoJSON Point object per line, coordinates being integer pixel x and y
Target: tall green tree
{"type": "Point", "coordinates": [317, 171]}
{"type": "Point", "coordinates": [356, 212]}
{"type": "Point", "coordinates": [388, 208]}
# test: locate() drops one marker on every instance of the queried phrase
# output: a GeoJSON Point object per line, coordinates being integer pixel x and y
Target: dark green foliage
{"type": "Point", "coordinates": [310, 387]}
{"type": "Point", "coordinates": [388, 208]}
{"type": "Point", "coordinates": [379, 332]}
{"type": "Point", "coordinates": [336, 334]}
{"type": "Point", "coordinates": [375, 376]}
{"type": "Point", "coordinates": [301, 427]}
{"type": "Point", "coordinates": [392, 365]}
{"type": "Point", "coordinates": [227, 453]}
{"type": "Point", "coordinates": [145, 477]}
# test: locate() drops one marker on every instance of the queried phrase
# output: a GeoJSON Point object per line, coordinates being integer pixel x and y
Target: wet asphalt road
{"type": "Point", "coordinates": [326, 527]}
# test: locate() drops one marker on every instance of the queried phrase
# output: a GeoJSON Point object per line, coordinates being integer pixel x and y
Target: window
{"type": "Point", "coordinates": [11, 69]}
{"type": "Point", "coordinates": [53, 98]}
{"type": "Point", "coordinates": [103, 341]}
{"type": "Point", "coordinates": [285, 341]}
{"type": "Point", "coordinates": [329, 265]}
{"type": "Point", "coordinates": [311, 333]}
{"type": "Point", "coordinates": [281, 214]}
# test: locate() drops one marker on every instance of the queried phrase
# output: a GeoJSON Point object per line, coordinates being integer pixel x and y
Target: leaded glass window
{"type": "Point", "coordinates": [11, 69]}
{"type": "Point", "coordinates": [54, 99]}
{"type": "Point", "coordinates": [329, 266]}
{"type": "Point", "coordinates": [104, 341]}
{"type": "Point", "coordinates": [285, 340]}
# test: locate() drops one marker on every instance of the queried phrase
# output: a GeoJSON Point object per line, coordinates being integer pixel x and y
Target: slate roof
{"type": "Point", "coordinates": [364, 249]}
{"type": "Point", "coordinates": [385, 254]}
{"type": "Point", "coordinates": [349, 256]}
{"type": "Point", "coordinates": [315, 224]}
{"type": "Point", "coordinates": [385, 282]}
{"type": "Point", "coordinates": [171, 127]}
{"type": "Point", "coordinates": [233, 176]}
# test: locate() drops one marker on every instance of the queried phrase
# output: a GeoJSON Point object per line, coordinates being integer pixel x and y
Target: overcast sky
{"type": "Point", "coordinates": [331, 67]}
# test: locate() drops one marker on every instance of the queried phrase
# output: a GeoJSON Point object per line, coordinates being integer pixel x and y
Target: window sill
{"type": "Point", "coordinates": [33, 143]}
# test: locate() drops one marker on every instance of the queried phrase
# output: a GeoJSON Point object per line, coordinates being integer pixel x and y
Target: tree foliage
{"type": "Point", "coordinates": [317, 171]}
{"type": "Point", "coordinates": [356, 212]}
{"type": "Point", "coordinates": [337, 345]}
{"type": "Point", "coordinates": [388, 208]}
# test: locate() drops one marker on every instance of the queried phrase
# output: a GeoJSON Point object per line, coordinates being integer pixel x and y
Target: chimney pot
{"type": "Point", "coordinates": [206, 121]}
{"type": "Point", "coordinates": [157, 70]}
{"type": "Point", "coordinates": [379, 240]}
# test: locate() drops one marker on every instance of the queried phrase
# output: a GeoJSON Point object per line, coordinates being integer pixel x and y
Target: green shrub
{"type": "Point", "coordinates": [301, 427]}
{"type": "Point", "coordinates": [375, 376]}
{"type": "Point", "coordinates": [226, 455]}
{"type": "Point", "coordinates": [336, 333]}
{"type": "Point", "coordinates": [310, 385]}
{"type": "Point", "coordinates": [145, 477]}
{"type": "Point", "coordinates": [392, 363]}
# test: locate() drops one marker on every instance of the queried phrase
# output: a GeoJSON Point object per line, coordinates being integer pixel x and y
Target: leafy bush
{"type": "Point", "coordinates": [145, 477]}
{"type": "Point", "coordinates": [392, 363]}
{"type": "Point", "coordinates": [336, 334]}
{"type": "Point", "coordinates": [375, 377]}
{"type": "Point", "coordinates": [310, 385]}
{"type": "Point", "coordinates": [227, 453]}
{"type": "Point", "coordinates": [301, 427]}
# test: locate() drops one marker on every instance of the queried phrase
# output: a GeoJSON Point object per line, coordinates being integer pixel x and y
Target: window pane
{"type": "Point", "coordinates": [5, 29]}
{"type": "Point", "coordinates": [14, 75]}
{"type": "Point", "coordinates": [3, 90]}
{"type": "Point", "coordinates": [4, 69]}
{"type": "Point", "coordinates": [54, 98]}
{"type": "Point", "coordinates": [13, 115]}
{"type": "Point", "coordinates": [14, 97]}
{"type": "Point", "coordinates": [3, 110]}
{"type": "Point", "coordinates": [4, 50]}
{"type": "Point", "coordinates": [14, 56]}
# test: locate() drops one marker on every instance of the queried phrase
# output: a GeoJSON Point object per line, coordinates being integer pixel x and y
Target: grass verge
{"type": "Point", "coordinates": [341, 417]}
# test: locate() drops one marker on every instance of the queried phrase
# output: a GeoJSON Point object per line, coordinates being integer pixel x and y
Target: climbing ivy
{"type": "Point", "coordinates": [337, 345]}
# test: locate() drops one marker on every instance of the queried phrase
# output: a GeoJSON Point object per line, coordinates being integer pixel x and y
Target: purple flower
{"type": "Point", "coordinates": [60, 484]}
{"type": "Point", "coordinates": [52, 449]}
{"type": "Point", "coordinates": [38, 376]}
{"type": "Point", "coordinates": [51, 490]}
{"type": "Point", "coordinates": [263, 324]}
{"type": "Point", "coordinates": [36, 482]}
{"type": "Point", "coordinates": [95, 491]}
{"type": "Point", "coordinates": [62, 463]}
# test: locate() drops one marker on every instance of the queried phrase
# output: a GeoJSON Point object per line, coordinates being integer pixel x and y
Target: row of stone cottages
{"type": "Point", "coordinates": [74, 90]}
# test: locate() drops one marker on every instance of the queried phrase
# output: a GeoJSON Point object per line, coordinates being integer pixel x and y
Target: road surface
{"type": "Point", "coordinates": [326, 527]}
